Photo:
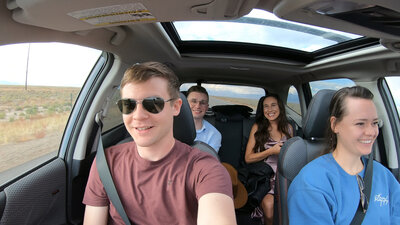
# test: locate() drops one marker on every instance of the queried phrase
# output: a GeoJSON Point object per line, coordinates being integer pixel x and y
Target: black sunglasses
{"type": "Point", "coordinates": [363, 197]}
{"type": "Point", "coordinates": [152, 104]}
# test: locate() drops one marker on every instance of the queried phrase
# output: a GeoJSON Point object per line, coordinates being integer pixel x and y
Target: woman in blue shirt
{"type": "Point", "coordinates": [326, 190]}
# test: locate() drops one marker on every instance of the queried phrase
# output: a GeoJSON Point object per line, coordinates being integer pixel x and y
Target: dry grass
{"type": "Point", "coordinates": [14, 97]}
{"type": "Point", "coordinates": [33, 113]}
{"type": "Point", "coordinates": [24, 130]}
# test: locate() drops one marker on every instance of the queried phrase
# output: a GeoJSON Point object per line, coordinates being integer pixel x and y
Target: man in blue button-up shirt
{"type": "Point", "coordinates": [205, 132]}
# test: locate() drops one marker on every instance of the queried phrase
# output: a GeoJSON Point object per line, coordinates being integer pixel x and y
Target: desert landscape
{"type": "Point", "coordinates": [32, 121]}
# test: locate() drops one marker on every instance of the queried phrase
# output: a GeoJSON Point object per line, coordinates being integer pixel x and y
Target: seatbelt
{"type": "Point", "coordinates": [359, 216]}
{"type": "Point", "coordinates": [104, 171]}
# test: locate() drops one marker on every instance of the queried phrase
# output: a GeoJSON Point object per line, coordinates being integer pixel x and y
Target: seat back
{"type": "Point", "coordinates": [184, 128]}
{"type": "Point", "coordinates": [234, 123]}
{"type": "Point", "coordinates": [297, 151]}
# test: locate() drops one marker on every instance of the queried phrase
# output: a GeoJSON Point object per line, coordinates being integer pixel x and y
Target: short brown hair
{"type": "Point", "coordinates": [197, 88]}
{"type": "Point", "coordinates": [142, 72]}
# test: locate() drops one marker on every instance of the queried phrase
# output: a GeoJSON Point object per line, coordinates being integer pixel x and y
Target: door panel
{"type": "Point", "coordinates": [38, 198]}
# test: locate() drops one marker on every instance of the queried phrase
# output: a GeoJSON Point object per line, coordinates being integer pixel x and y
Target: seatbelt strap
{"type": "Point", "coordinates": [104, 172]}
{"type": "Point", "coordinates": [359, 216]}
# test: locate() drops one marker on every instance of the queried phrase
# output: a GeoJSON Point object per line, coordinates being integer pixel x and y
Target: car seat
{"type": "Point", "coordinates": [234, 123]}
{"type": "Point", "coordinates": [297, 151]}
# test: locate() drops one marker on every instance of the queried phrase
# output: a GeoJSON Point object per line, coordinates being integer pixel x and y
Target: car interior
{"type": "Point", "coordinates": [361, 43]}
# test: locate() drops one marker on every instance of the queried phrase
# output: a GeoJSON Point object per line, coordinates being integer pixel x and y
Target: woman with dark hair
{"type": "Point", "coordinates": [330, 189]}
{"type": "Point", "coordinates": [267, 135]}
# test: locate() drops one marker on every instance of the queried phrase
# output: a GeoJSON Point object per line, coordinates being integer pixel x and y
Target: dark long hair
{"type": "Point", "coordinates": [262, 134]}
{"type": "Point", "coordinates": [338, 110]}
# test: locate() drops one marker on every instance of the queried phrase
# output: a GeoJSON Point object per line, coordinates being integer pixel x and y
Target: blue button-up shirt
{"type": "Point", "coordinates": [210, 135]}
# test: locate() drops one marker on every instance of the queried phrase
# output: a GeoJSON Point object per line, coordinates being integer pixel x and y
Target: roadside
{"type": "Point", "coordinates": [15, 154]}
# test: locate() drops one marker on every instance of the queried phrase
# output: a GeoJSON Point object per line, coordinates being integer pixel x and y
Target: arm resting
{"type": "Point", "coordinates": [95, 215]}
{"type": "Point", "coordinates": [216, 208]}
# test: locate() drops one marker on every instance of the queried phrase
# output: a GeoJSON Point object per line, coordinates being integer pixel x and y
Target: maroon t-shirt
{"type": "Point", "coordinates": [161, 192]}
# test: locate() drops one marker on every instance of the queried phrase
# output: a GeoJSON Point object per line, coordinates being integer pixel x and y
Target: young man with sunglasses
{"type": "Point", "coordinates": [205, 132]}
{"type": "Point", "coordinates": [160, 180]}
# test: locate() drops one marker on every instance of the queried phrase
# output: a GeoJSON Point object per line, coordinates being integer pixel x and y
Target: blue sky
{"type": "Point", "coordinates": [273, 31]}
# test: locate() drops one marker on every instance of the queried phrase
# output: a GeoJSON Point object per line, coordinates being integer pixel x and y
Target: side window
{"type": "Point", "coordinates": [39, 83]}
{"type": "Point", "coordinates": [223, 94]}
{"type": "Point", "coordinates": [114, 116]}
{"type": "Point", "coordinates": [394, 86]}
{"type": "Point", "coordinates": [293, 101]}
{"type": "Point", "coordinates": [334, 84]}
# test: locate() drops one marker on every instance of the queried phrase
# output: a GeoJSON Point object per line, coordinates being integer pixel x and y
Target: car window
{"type": "Point", "coordinates": [223, 94]}
{"type": "Point", "coordinates": [394, 86]}
{"type": "Point", "coordinates": [293, 100]}
{"type": "Point", "coordinates": [334, 84]}
{"type": "Point", "coordinates": [114, 116]}
{"type": "Point", "coordinates": [39, 83]}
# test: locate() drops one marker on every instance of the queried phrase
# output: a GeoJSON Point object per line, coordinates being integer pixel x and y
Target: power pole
{"type": "Point", "coordinates": [27, 67]}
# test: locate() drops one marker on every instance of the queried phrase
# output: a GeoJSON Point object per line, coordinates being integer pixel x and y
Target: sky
{"type": "Point", "coordinates": [282, 36]}
{"type": "Point", "coordinates": [50, 64]}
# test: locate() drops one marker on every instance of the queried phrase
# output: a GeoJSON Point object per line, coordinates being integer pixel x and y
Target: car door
{"type": "Point", "coordinates": [42, 101]}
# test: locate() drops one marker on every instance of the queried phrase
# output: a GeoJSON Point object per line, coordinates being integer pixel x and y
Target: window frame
{"type": "Point", "coordinates": [393, 117]}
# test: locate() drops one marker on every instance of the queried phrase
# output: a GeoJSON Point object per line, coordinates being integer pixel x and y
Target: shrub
{"type": "Point", "coordinates": [2, 115]}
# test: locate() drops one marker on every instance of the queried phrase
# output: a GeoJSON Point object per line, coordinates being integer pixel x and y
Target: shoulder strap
{"type": "Point", "coordinates": [105, 174]}
{"type": "Point", "coordinates": [359, 216]}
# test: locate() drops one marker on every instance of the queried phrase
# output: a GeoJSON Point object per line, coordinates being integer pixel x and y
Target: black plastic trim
{"type": "Point", "coordinates": [77, 171]}
{"type": "Point", "coordinates": [307, 93]}
{"type": "Point", "coordinates": [391, 110]}
{"type": "Point", "coordinates": [376, 17]}
{"type": "Point", "coordinates": [3, 201]}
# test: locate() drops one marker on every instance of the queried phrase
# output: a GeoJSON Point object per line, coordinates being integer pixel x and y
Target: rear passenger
{"type": "Point", "coordinates": [205, 132]}
{"type": "Point", "coordinates": [267, 136]}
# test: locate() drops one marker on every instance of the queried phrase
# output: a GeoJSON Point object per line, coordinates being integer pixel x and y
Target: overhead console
{"type": "Point", "coordinates": [373, 18]}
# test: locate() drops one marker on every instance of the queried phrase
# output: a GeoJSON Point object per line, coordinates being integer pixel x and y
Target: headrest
{"type": "Point", "coordinates": [316, 120]}
{"type": "Point", "coordinates": [184, 128]}
{"type": "Point", "coordinates": [230, 110]}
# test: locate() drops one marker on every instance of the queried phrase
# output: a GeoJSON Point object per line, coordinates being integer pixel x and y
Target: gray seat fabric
{"type": "Point", "coordinates": [185, 130]}
{"type": "Point", "coordinates": [205, 148]}
{"type": "Point", "coordinates": [297, 151]}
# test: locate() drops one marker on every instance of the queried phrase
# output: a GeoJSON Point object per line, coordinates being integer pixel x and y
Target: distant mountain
{"type": "Point", "coordinates": [2, 82]}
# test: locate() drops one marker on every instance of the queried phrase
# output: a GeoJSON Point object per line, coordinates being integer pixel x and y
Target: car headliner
{"type": "Point", "coordinates": [48, 20]}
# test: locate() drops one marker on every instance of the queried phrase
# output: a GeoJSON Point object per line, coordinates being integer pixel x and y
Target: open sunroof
{"type": "Point", "coordinates": [264, 28]}
{"type": "Point", "coordinates": [261, 33]}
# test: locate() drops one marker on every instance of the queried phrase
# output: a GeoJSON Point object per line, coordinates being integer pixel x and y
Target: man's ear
{"type": "Point", "coordinates": [177, 106]}
{"type": "Point", "coordinates": [332, 122]}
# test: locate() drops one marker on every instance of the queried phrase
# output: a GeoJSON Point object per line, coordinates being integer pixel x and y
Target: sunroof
{"type": "Point", "coordinates": [264, 28]}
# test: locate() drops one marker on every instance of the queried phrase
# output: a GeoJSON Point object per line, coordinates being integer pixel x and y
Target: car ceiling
{"type": "Point", "coordinates": [138, 41]}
